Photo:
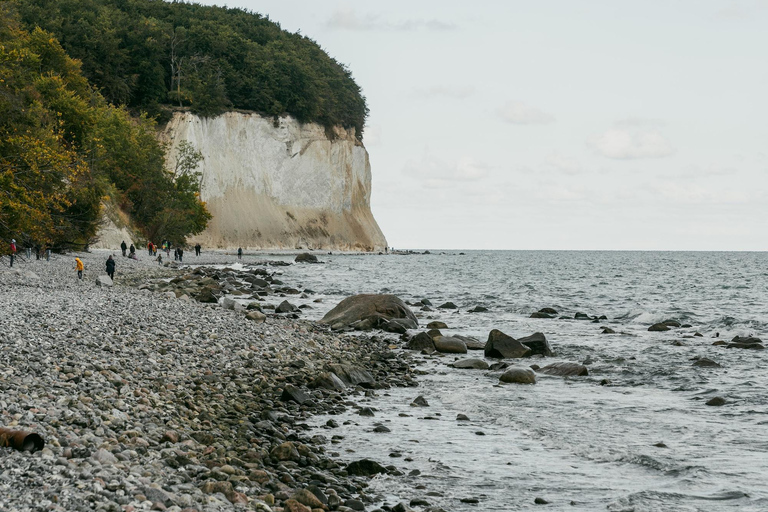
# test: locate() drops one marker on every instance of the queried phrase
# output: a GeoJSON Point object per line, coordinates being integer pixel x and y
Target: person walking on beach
{"type": "Point", "coordinates": [123, 247]}
{"type": "Point", "coordinates": [180, 251]}
{"type": "Point", "coordinates": [111, 267]}
{"type": "Point", "coordinates": [239, 253]}
{"type": "Point", "coordinates": [149, 248]}
{"type": "Point", "coordinates": [13, 250]}
{"type": "Point", "coordinates": [159, 259]}
{"type": "Point", "coordinates": [197, 249]}
{"type": "Point", "coordinates": [79, 267]}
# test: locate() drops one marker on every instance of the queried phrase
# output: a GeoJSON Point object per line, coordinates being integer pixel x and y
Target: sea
{"type": "Point", "coordinates": [634, 435]}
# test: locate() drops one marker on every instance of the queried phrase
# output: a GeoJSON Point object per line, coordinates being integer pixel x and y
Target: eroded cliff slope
{"type": "Point", "coordinates": [280, 187]}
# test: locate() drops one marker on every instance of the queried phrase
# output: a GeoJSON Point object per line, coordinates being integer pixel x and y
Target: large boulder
{"type": "Point", "coordinates": [399, 325]}
{"type": "Point", "coordinates": [470, 364]}
{"type": "Point", "coordinates": [450, 345]}
{"type": "Point", "coordinates": [365, 467]}
{"type": "Point", "coordinates": [538, 344]}
{"type": "Point", "coordinates": [564, 369]}
{"type": "Point", "coordinates": [518, 376]}
{"type": "Point", "coordinates": [352, 375]}
{"type": "Point", "coordinates": [748, 342]}
{"type": "Point", "coordinates": [500, 345]}
{"type": "Point", "coordinates": [104, 281]}
{"type": "Point", "coordinates": [373, 308]}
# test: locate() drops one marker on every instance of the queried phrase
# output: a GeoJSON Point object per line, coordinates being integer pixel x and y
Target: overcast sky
{"type": "Point", "coordinates": [557, 124]}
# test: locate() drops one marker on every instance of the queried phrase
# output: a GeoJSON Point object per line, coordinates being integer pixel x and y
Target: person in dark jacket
{"type": "Point", "coordinates": [111, 267]}
{"type": "Point", "coordinates": [181, 253]}
{"type": "Point", "coordinates": [123, 247]}
{"type": "Point", "coordinates": [198, 248]}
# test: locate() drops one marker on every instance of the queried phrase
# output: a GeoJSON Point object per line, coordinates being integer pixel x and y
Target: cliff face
{"type": "Point", "coordinates": [280, 187]}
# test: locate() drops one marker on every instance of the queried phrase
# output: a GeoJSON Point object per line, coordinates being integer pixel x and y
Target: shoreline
{"type": "Point", "coordinates": [150, 401]}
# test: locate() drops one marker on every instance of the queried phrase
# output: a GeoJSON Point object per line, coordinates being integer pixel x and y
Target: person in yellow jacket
{"type": "Point", "coordinates": [79, 267]}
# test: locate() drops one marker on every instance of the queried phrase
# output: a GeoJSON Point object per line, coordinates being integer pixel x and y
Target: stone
{"type": "Point", "coordinates": [470, 364]}
{"type": "Point", "coordinates": [448, 305]}
{"type": "Point", "coordinates": [716, 401]}
{"type": "Point", "coordinates": [706, 363]}
{"type": "Point", "coordinates": [538, 344]}
{"type": "Point", "coordinates": [399, 325]}
{"type": "Point", "coordinates": [256, 316]}
{"type": "Point", "coordinates": [659, 327]}
{"type": "Point", "coordinates": [306, 257]}
{"type": "Point", "coordinates": [353, 375]}
{"type": "Point", "coordinates": [449, 345]}
{"type": "Point", "coordinates": [307, 498]}
{"type": "Point", "coordinates": [372, 307]}
{"type": "Point", "coordinates": [746, 342]}
{"type": "Point", "coordinates": [436, 325]}
{"type": "Point", "coordinates": [420, 401]}
{"type": "Point", "coordinates": [539, 314]}
{"type": "Point", "coordinates": [286, 307]}
{"type": "Point", "coordinates": [365, 467]}
{"type": "Point", "coordinates": [500, 345]}
{"type": "Point", "coordinates": [292, 393]}
{"type": "Point", "coordinates": [518, 376]}
{"type": "Point", "coordinates": [564, 369]}
{"type": "Point", "coordinates": [104, 281]}
{"type": "Point", "coordinates": [548, 311]}
{"type": "Point", "coordinates": [478, 309]}
{"type": "Point", "coordinates": [285, 451]}
{"type": "Point", "coordinates": [422, 341]}
{"type": "Point", "coordinates": [104, 457]}
{"type": "Point", "coordinates": [470, 342]}
{"type": "Point", "coordinates": [328, 380]}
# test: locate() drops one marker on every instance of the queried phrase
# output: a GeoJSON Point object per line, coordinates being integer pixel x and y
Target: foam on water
{"type": "Point", "coordinates": [646, 441]}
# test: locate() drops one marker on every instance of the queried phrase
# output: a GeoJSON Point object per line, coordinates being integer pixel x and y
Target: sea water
{"type": "Point", "coordinates": [634, 435]}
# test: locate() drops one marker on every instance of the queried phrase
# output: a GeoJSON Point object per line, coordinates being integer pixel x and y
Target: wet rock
{"type": "Point", "coordinates": [365, 467]}
{"type": "Point", "coordinates": [500, 345]}
{"type": "Point", "coordinates": [478, 309]}
{"type": "Point", "coordinates": [306, 257]}
{"type": "Point", "coordinates": [470, 364]}
{"type": "Point", "coordinates": [419, 401]}
{"type": "Point", "coordinates": [285, 451]}
{"type": "Point", "coordinates": [328, 380]}
{"type": "Point", "coordinates": [352, 375]}
{"type": "Point", "coordinates": [518, 376]}
{"type": "Point", "coordinates": [540, 501]}
{"type": "Point", "coordinates": [706, 363]}
{"type": "Point", "coordinates": [548, 311]}
{"type": "Point", "coordinates": [286, 307]}
{"type": "Point", "coordinates": [716, 401]}
{"type": "Point", "coordinates": [659, 327]}
{"type": "Point", "coordinates": [373, 308]}
{"type": "Point", "coordinates": [436, 325]}
{"type": "Point", "coordinates": [449, 345]}
{"type": "Point", "coordinates": [564, 369]}
{"type": "Point", "coordinates": [307, 498]}
{"type": "Point", "coordinates": [381, 429]}
{"type": "Point", "coordinates": [746, 342]}
{"type": "Point", "coordinates": [470, 342]}
{"type": "Point", "coordinates": [422, 341]}
{"type": "Point", "coordinates": [448, 305]}
{"type": "Point", "coordinates": [462, 417]}
{"type": "Point", "coordinates": [538, 344]}
{"type": "Point", "coordinates": [539, 314]}
{"type": "Point", "coordinates": [399, 325]}
{"type": "Point", "coordinates": [607, 330]}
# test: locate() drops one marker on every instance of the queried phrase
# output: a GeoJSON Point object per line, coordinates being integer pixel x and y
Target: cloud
{"type": "Point", "coordinates": [437, 173]}
{"type": "Point", "coordinates": [348, 19]}
{"type": "Point", "coordinates": [630, 143]}
{"type": "Point", "coordinates": [564, 164]}
{"type": "Point", "coordinates": [455, 92]}
{"type": "Point", "coordinates": [516, 112]}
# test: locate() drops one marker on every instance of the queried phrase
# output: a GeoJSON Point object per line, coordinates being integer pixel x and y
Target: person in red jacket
{"type": "Point", "coordinates": [13, 251]}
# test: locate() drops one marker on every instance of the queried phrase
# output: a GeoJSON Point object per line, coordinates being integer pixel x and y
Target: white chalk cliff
{"type": "Point", "coordinates": [279, 187]}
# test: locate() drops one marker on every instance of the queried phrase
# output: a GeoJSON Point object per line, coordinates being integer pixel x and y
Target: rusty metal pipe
{"type": "Point", "coordinates": [20, 440]}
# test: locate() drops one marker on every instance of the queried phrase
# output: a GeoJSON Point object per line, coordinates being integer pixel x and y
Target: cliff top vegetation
{"type": "Point", "coordinates": [149, 55]}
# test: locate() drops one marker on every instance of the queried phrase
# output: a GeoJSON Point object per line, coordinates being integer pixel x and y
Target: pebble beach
{"type": "Point", "coordinates": [150, 401]}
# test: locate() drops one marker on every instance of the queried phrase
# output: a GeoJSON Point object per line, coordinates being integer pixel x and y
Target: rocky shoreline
{"type": "Point", "coordinates": [154, 401]}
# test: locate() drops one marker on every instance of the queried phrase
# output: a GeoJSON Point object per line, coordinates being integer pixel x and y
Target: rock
{"type": "Point", "coordinates": [328, 380]}
{"type": "Point", "coordinates": [581, 316]}
{"type": "Point", "coordinates": [104, 457]}
{"type": "Point", "coordinates": [716, 401]}
{"type": "Point", "coordinates": [747, 342]}
{"type": "Point", "coordinates": [104, 281]}
{"type": "Point", "coordinates": [449, 345]}
{"type": "Point", "coordinates": [470, 364]}
{"type": "Point", "coordinates": [421, 341]}
{"type": "Point", "coordinates": [462, 417]}
{"type": "Point", "coordinates": [539, 314]}
{"type": "Point", "coordinates": [540, 501]}
{"type": "Point", "coordinates": [306, 257]}
{"type": "Point", "coordinates": [419, 401]}
{"type": "Point", "coordinates": [448, 305]}
{"type": "Point", "coordinates": [399, 325]}
{"type": "Point", "coordinates": [231, 304]}
{"type": "Point", "coordinates": [548, 311]}
{"type": "Point", "coordinates": [366, 411]}
{"type": "Point", "coordinates": [538, 344]}
{"type": "Point", "coordinates": [365, 467]}
{"type": "Point", "coordinates": [470, 342]}
{"type": "Point", "coordinates": [256, 316]}
{"type": "Point", "coordinates": [478, 309]}
{"type": "Point", "coordinates": [707, 363]}
{"type": "Point", "coordinates": [671, 323]}
{"type": "Point", "coordinates": [518, 376]}
{"type": "Point", "coordinates": [564, 369]}
{"type": "Point", "coordinates": [291, 505]}
{"type": "Point", "coordinates": [286, 451]}
{"type": "Point", "coordinates": [381, 429]}
{"type": "Point", "coordinates": [286, 307]}
{"type": "Point", "coordinates": [374, 308]}
{"type": "Point", "coordinates": [292, 393]}
{"type": "Point", "coordinates": [660, 327]}
{"type": "Point", "coordinates": [353, 375]}
{"type": "Point", "coordinates": [608, 330]}
{"type": "Point", "coordinates": [354, 504]}
{"type": "Point", "coordinates": [499, 345]}
{"type": "Point", "coordinates": [306, 497]}
{"type": "Point", "coordinates": [436, 325]}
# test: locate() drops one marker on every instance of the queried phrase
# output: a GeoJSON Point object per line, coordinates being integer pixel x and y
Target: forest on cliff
{"type": "Point", "coordinates": [65, 150]}
{"type": "Point", "coordinates": [150, 54]}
